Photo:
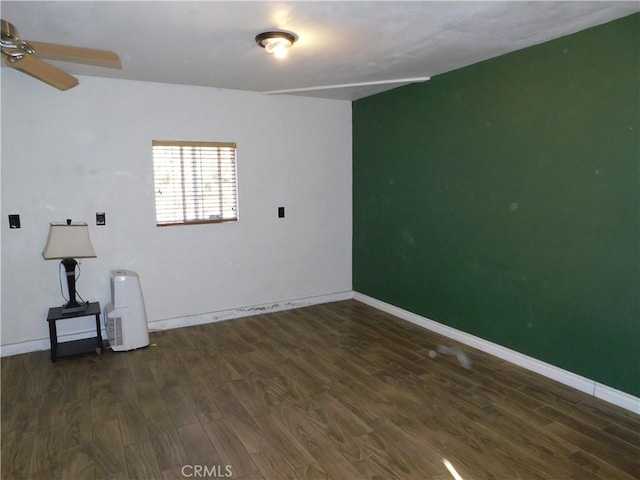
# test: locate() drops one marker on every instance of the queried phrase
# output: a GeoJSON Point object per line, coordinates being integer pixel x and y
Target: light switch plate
{"type": "Point", "coordinates": [14, 220]}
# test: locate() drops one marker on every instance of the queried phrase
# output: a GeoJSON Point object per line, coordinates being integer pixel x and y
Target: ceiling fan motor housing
{"type": "Point", "coordinates": [12, 47]}
{"type": "Point", "coordinates": [9, 32]}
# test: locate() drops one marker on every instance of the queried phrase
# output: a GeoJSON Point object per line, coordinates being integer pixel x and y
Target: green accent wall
{"type": "Point", "coordinates": [503, 199]}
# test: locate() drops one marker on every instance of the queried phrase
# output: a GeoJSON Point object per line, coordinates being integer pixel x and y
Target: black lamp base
{"type": "Point", "coordinates": [73, 305]}
{"type": "Point", "coordinates": [78, 307]}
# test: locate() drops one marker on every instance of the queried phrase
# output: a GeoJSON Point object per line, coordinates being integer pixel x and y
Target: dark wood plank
{"type": "Point", "coordinates": [197, 447]}
{"type": "Point", "coordinates": [77, 463]}
{"type": "Point", "coordinates": [141, 461]}
{"type": "Point", "coordinates": [231, 450]}
{"type": "Point", "coordinates": [166, 443]}
{"type": "Point", "coordinates": [202, 396]}
{"type": "Point", "coordinates": [284, 440]}
{"type": "Point", "coordinates": [107, 449]}
{"type": "Point", "coordinates": [46, 457]}
{"type": "Point", "coordinates": [77, 424]}
{"type": "Point", "coordinates": [17, 448]}
{"type": "Point", "coordinates": [336, 465]}
{"type": "Point", "coordinates": [273, 465]}
{"type": "Point", "coordinates": [245, 427]}
{"type": "Point", "coordinates": [179, 406]}
{"type": "Point", "coordinates": [150, 399]}
{"type": "Point", "coordinates": [133, 428]}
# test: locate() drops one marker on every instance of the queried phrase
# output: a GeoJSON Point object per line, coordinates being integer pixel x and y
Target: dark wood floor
{"type": "Point", "coordinates": [338, 391]}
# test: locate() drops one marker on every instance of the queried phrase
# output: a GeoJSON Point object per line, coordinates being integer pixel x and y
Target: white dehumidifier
{"type": "Point", "coordinates": [125, 317]}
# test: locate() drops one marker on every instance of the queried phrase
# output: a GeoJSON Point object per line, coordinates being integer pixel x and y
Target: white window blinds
{"type": "Point", "coordinates": [195, 182]}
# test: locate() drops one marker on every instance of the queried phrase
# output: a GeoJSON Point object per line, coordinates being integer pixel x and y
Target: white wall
{"type": "Point", "coordinates": [72, 154]}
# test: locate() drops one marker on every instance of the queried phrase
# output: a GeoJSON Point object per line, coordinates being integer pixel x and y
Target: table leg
{"type": "Point", "coordinates": [53, 339]}
{"type": "Point", "coordinates": [99, 335]}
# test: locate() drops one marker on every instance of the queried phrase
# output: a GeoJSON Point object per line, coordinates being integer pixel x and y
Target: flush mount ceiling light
{"type": "Point", "coordinates": [276, 43]}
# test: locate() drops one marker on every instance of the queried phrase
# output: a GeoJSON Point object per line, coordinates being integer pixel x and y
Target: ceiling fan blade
{"type": "Point", "coordinates": [43, 71]}
{"type": "Point", "coordinates": [66, 53]}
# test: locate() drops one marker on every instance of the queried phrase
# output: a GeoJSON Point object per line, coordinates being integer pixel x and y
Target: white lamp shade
{"type": "Point", "coordinates": [68, 241]}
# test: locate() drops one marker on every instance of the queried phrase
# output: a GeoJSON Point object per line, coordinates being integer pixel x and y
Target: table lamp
{"type": "Point", "coordinates": [68, 241]}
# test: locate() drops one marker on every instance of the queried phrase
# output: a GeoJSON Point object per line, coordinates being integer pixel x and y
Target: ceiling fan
{"type": "Point", "coordinates": [28, 58]}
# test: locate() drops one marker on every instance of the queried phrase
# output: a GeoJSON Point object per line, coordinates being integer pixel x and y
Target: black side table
{"type": "Point", "coordinates": [74, 347]}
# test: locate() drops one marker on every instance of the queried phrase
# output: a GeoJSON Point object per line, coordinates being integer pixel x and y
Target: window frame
{"type": "Point", "coordinates": [185, 184]}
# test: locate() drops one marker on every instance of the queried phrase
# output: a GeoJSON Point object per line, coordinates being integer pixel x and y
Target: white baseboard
{"type": "Point", "coordinates": [603, 392]}
{"type": "Point", "coordinates": [222, 315]}
{"type": "Point", "coordinates": [617, 397]}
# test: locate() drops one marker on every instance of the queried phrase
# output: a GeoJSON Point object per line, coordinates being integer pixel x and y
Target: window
{"type": "Point", "coordinates": [195, 182]}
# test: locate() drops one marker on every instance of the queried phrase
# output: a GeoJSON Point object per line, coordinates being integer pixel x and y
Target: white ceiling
{"type": "Point", "coordinates": [211, 43]}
